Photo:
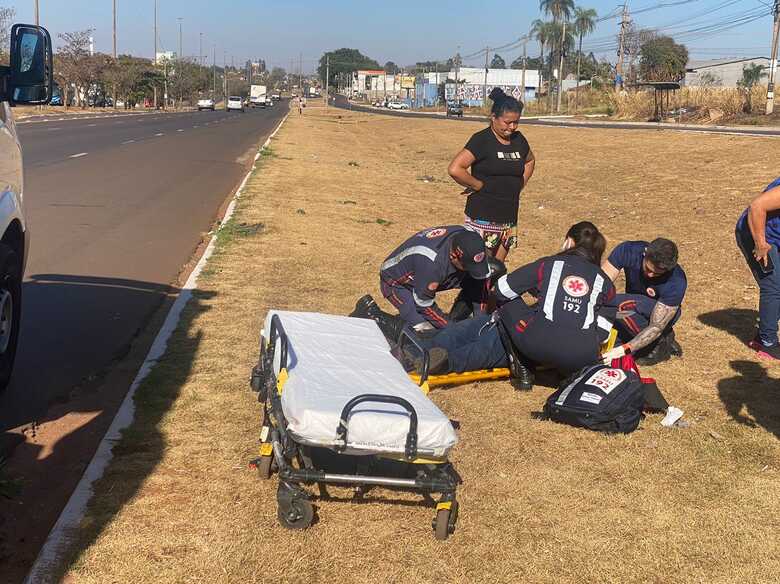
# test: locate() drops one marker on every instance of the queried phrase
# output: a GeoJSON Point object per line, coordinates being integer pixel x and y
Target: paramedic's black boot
{"type": "Point", "coordinates": [523, 377]}
{"type": "Point", "coordinates": [365, 307]}
{"type": "Point", "coordinates": [659, 353]}
{"type": "Point", "coordinates": [674, 347]}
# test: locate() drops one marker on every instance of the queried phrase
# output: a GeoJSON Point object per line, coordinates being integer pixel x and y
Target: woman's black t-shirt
{"type": "Point", "coordinates": [500, 167]}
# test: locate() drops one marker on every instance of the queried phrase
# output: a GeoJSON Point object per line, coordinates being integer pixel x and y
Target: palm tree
{"type": "Point", "coordinates": [561, 11]}
{"type": "Point", "coordinates": [584, 24]}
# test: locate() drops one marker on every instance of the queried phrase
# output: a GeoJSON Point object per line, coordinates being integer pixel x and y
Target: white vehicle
{"type": "Point", "coordinates": [206, 103]}
{"type": "Point", "coordinates": [235, 103]}
{"type": "Point", "coordinates": [276, 97]}
{"type": "Point", "coordinates": [397, 105]}
{"type": "Point", "coordinates": [27, 80]}
{"type": "Point", "coordinates": [258, 96]}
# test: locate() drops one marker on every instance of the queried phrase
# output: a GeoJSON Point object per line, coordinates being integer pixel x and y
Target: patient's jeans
{"type": "Point", "coordinates": [471, 344]}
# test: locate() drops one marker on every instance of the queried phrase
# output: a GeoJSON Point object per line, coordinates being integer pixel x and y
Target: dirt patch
{"type": "Point", "coordinates": [541, 502]}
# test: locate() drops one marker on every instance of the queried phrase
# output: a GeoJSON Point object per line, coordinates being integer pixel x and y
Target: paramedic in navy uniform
{"type": "Point", "coordinates": [501, 164]}
{"type": "Point", "coordinates": [655, 288]}
{"type": "Point", "coordinates": [439, 258]}
{"type": "Point", "coordinates": [564, 329]}
{"type": "Point", "coordinates": [758, 236]}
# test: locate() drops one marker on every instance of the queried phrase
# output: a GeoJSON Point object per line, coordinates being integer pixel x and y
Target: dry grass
{"type": "Point", "coordinates": [541, 502]}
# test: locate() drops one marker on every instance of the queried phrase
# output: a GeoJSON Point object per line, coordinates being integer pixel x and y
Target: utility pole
{"type": "Point", "coordinates": [180, 53]}
{"type": "Point", "coordinates": [770, 90]}
{"type": "Point", "coordinates": [522, 77]}
{"type": "Point", "coordinates": [37, 14]}
{"type": "Point", "coordinates": [300, 71]}
{"type": "Point", "coordinates": [36, 3]}
{"type": "Point", "coordinates": [214, 72]}
{"type": "Point", "coordinates": [621, 47]}
{"type": "Point", "coordinates": [560, 70]}
{"type": "Point", "coordinates": [327, 78]}
{"type": "Point", "coordinates": [200, 49]}
{"type": "Point", "coordinates": [155, 35]}
{"type": "Point", "coordinates": [484, 85]}
{"type": "Point", "coordinates": [457, 73]}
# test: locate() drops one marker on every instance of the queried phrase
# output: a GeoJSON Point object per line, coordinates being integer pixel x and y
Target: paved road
{"type": "Point", "coordinates": [116, 207]}
{"type": "Point", "coordinates": [342, 102]}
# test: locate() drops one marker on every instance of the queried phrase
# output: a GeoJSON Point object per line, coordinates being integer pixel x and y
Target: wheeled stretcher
{"type": "Point", "coordinates": [339, 408]}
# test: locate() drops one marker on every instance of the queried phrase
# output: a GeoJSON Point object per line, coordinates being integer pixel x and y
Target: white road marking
{"type": "Point", "coordinates": [91, 125]}
{"type": "Point", "coordinates": [159, 134]}
{"type": "Point", "coordinates": [179, 130]}
{"type": "Point", "coordinates": [79, 155]}
{"type": "Point", "coordinates": [196, 126]}
{"type": "Point", "coordinates": [53, 129]}
{"type": "Point", "coordinates": [128, 141]}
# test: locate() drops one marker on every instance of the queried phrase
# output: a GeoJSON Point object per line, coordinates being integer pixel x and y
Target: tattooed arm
{"type": "Point", "coordinates": [662, 315]}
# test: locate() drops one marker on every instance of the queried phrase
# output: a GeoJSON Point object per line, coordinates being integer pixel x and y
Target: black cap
{"type": "Point", "coordinates": [469, 247]}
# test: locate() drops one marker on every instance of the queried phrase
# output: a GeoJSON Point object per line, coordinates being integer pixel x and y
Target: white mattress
{"type": "Point", "coordinates": [332, 359]}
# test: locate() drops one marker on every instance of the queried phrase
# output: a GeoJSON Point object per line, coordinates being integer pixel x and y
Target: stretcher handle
{"type": "Point", "coordinates": [426, 363]}
{"type": "Point", "coordinates": [277, 330]}
{"type": "Point", "coordinates": [410, 451]}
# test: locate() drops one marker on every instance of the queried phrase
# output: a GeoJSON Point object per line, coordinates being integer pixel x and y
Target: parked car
{"type": "Point", "coordinates": [206, 103]}
{"type": "Point", "coordinates": [28, 80]}
{"type": "Point", "coordinates": [455, 109]}
{"type": "Point", "coordinates": [235, 103]}
{"type": "Point", "coordinates": [398, 105]}
{"type": "Point", "coordinates": [276, 97]}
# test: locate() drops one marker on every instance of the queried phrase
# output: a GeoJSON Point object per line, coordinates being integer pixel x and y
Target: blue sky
{"type": "Point", "coordinates": [403, 31]}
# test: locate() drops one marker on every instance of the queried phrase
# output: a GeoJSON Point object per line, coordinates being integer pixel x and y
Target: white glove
{"type": "Point", "coordinates": [615, 353]}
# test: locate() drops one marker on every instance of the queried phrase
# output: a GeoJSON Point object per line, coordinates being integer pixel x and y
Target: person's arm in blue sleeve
{"type": "Point", "coordinates": [516, 283]}
{"type": "Point", "coordinates": [424, 292]}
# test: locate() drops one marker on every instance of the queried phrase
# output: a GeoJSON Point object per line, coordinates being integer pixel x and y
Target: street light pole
{"type": "Point", "coordinates": [200, 50]}
{"type": "Point", "coordinates": [37, 14]}
{"type": "Point", "coordinates": [114, 29]}
{"type": "Point", "coordinates": [180, 53]}
{"type": "Point", "coordinates": [770, 90]}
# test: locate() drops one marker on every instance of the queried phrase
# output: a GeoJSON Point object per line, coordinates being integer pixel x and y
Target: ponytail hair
{"type": "Point", "coordinates": [503, 103]}
{"type": "Point", "coordinates": [588, 242]}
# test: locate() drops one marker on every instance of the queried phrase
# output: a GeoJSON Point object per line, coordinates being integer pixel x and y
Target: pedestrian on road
{"type": "Point", "coordinates": [758, 236]}
{"type": "Point", "coordinates": [501, 163]}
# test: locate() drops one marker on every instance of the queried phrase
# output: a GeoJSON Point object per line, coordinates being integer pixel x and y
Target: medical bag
{"type": "Point", "coordinates": [599, 397]}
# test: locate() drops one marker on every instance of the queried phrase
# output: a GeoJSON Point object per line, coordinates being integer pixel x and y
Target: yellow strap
{"type": "Point", "coordinates": [281, 379]}
{"type": "Point", "coordinates": [443, 505]}
{"type": "Point", "coordinates": [266, 449]}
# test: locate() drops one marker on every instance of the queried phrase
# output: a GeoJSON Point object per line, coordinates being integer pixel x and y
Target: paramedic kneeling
{"type": "Point", "coordinates": [439, 258]}
{"type": "Point", "coordinates": [758, 236]}
{"type": "Point", "coordinates": [564, 329]}
{"type": "Point", "coordinates": [655, 288]}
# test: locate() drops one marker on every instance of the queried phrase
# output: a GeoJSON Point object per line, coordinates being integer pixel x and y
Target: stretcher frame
{"type": "Point", "coordinates": [488, 374]}
{"type": "Point", "coordinates": [295, 462]}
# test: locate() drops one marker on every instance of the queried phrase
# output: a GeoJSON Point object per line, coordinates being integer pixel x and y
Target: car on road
{"type": "Point", "coordinates": [206, 103]}
{"type": "Point", "coordinates": [398, 105]}
{"type": "Point", "coordinates": [454, 109]}
{"type": "Point", "coordinates": [276, 97]}
{"type": "Point", "coordinates": [27, 80]}
{"type": "Point", "coordinates": [235, 103]}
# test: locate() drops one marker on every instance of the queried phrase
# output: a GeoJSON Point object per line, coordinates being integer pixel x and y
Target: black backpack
{"type": "Point", "coordinates": [599, 397]}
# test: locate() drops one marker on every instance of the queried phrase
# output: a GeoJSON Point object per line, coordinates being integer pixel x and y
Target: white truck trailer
{"type": "Point", "coordinates": [257, 96]}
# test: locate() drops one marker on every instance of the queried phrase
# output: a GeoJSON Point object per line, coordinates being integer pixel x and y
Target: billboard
{"type": "Point", "coordinates": [407, 81]}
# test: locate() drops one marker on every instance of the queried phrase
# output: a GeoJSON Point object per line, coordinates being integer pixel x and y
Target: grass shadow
{"type": "Point", "coordinates": [740, 322]}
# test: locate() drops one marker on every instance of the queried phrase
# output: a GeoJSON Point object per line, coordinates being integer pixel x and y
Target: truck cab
{"type": "Point", "coordinates": [27, 79]}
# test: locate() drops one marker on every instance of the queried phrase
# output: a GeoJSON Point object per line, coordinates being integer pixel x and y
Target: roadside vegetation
{"type": "Point", "coordinates": [541, 502]}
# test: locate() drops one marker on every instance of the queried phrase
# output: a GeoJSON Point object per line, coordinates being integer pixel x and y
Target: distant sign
{"type": "Point", "coordinates": [407, 81]}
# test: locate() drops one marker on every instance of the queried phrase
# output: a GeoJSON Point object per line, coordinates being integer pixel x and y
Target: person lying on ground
{"type": "Point", "coordinates": [564, 329]}
{"type": "Point", "coordinates": [758, 237]}
{"type": "Point", "coordinates": [435, 259]}
{"type": "Point", "coordinates": [501, 163]}
{"type": "Point", "coordinates": [651, 305]}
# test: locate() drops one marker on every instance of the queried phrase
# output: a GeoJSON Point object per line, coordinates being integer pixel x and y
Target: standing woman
{"type": "Point", "coordinates": [501, 164]}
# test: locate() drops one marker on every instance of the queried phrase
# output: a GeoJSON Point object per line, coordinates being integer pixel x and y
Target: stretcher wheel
{"type": "Point", "coordinates": [444, 524]}
{"type": "Point", "coordinates": [296, 514]}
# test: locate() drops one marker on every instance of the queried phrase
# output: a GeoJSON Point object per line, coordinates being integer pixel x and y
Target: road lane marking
{"type": "Point", "coordinates": [91, 125]}
{"type": "Point", "coordinates": [128, 141]}
{"type": "Point", "coordinates": [196, 126]}
{"type": "Point", "coordinates": [53, 129]}
{"type": "Point", "coordinates": [79, 155]}
{"type": "Point", "coordinates": [159, 134]}
{"type": "Point", "coordinates": [179, 130]}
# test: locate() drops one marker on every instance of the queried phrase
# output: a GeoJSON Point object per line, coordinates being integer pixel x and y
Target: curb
{"type": "Point", "coordinates": [62, 534]}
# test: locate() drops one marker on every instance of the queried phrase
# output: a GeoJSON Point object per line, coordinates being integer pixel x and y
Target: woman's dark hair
{"type": "Point", "coordinates": [588, 242]}
{"type": "Point", "coordinates": [503, 103]}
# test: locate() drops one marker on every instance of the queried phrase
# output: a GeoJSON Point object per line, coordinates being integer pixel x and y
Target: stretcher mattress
{"type": "Point", "coordinates": [332, 359]}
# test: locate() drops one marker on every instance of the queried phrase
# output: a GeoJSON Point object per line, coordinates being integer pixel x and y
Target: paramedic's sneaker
{"type": "Point", "coordinates": [439, 362]}
{"type": "Point", "coordinates": [658, 354]}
